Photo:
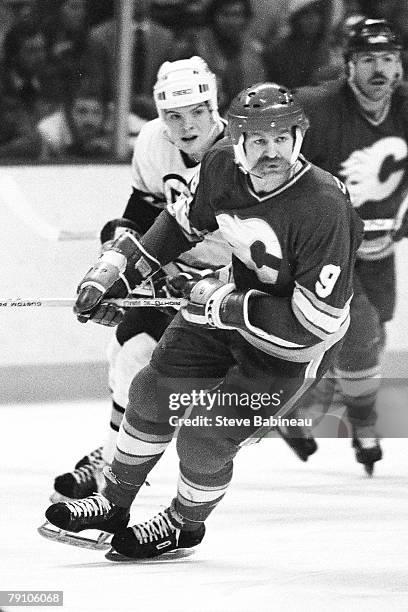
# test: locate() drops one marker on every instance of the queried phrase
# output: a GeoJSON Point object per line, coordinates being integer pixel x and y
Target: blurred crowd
{"type": "Point", "coordinates": [57, 83]}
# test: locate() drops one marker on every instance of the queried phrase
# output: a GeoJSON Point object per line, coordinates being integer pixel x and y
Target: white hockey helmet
{"type": "Point", "coordinates": [185, 82]}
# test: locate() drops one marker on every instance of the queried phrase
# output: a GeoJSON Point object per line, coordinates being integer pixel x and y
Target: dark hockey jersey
{"type": "Point", "coordinates": [297, 245]}
{"type": "Point", "coordinates": [370, 159]}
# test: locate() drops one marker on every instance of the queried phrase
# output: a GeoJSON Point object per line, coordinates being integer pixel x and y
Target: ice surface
{"type": "Point", "coordinates": [287, 537]}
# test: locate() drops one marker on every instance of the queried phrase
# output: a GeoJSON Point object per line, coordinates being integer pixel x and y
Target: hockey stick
{"type": "Point", "coordinates": [13, 197]}
{"type": "Point", "coordinates": [142, 302]}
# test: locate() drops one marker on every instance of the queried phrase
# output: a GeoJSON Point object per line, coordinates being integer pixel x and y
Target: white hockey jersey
{"type": "Point", "coordinates": [163, 173]}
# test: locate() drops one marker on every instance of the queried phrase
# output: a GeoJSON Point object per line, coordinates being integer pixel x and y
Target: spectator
{"type": "Point", "coordinates": [226, 47]}
{"type": "Point", "coordinates": [77, 129]}
{"type": "Point", "coordinates": [12, 13]}
{"type": "Point", "coordinates": [303, 54]}
{"type": "Point", "coordinates": [152, 45]}
{"type": "Point", "coordinates": [83, 127]}
{"type": "Point", "coordinates": [19, 139]}
{"type": "Point", "coordinates": [28, 73]}
{"type": "Point", "coordinates": [70, 48]}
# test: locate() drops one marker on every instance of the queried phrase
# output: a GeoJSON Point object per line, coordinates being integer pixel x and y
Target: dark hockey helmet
{"type": "Point", "coordinates": [262, 107]}
{"type": "Point", "coordinates": [371, 35]}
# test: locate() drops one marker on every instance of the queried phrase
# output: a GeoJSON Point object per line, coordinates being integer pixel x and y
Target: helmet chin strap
{"type": "Point", "coordinates": [297, 146]}
{"type": "Point", "coordinates": [241, 160]}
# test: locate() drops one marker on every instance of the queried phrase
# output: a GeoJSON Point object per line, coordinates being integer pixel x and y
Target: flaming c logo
{"type": "Point", "coordinates": [374, 173]}
{"type": "Point", "coordinates": [255, 243]}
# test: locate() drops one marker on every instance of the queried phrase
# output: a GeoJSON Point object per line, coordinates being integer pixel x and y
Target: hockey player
{"type": "Point", "coordinates": [166, 157]}
{"type": "Point", "coordinates": [359, 132]}
{"type": "Point", "coordinates": [275, 329]}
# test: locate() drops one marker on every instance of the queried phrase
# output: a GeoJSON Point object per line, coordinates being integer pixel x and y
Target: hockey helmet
{"type": "Point", "coordinates": [371, 35]}
{"type": "Point", "coordinates": [185, 82]}
{"type": "Point", "coordinates": [262, 107]}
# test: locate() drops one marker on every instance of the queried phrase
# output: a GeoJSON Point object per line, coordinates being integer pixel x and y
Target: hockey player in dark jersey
{"type": "Point", "coordinates": [166, 157]}
{"type": "Point", "coordinates": [359, 132]}
{"type": "Point", "coordinates": [273, 330]}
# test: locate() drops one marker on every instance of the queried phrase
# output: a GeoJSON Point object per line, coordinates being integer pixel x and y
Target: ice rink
{"type": "Point", "coordinates": [288, 536]}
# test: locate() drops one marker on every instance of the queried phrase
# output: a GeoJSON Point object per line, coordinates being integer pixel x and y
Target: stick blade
{"type": "Point", "coordinates": [100, 542]}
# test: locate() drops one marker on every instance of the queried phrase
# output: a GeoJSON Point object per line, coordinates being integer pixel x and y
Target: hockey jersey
{"type": "Point", "coordinates": [160, 174]}
{"type": "Point", "coordinates": [297, 245]}
{"type": "Point", "coordinates": [372, 160]}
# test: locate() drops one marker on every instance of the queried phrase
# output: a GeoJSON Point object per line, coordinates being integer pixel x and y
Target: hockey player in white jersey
{"type": "Point", "coordinates": [166, 158]}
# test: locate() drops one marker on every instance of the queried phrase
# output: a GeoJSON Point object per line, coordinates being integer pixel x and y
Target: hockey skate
{"type": "Point", "coordinates": [302, 443]}
{"type": "Point", "coordinates": [72, 517]}
{"type": "Point", "coordinates": [367, 447]}
{"type": "Point", "coordinates": [84, 480]}
{"type": "Point", "coordinates": [298, 438]}
{"type": "Point", "coordinates": [153, 538]}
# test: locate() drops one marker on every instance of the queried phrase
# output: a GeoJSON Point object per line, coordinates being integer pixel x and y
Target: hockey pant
{"type": "Point", "coordinates": [191, 359]}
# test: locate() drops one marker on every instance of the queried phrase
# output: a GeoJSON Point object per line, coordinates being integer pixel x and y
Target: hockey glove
{"type": "Point", "coordinates": [124, 266]}
{"type": "Point", "coordinates": [215, 304]}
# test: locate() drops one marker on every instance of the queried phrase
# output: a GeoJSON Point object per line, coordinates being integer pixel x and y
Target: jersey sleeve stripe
{"type": "Point", "coordinates": [300, 354]}
{"type": "Point", "coordinates": [314, 320]}
{"type": "Point", "coordinates": [331, 310]}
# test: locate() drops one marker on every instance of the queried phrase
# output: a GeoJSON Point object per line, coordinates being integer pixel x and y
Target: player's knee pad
{"type": "Point", "coordinates": [125, 361]}
{"type": "Point", "coordinates": [203, 452]}
{"type": "Point", "coordinates": [148, 399]}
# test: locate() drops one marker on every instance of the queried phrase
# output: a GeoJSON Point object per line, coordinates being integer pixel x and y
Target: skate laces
{"type": "Point", "coordinates": [96, 459]}
{"type": "Point", "coordinates": [84, 473]}
{"type": "Point", "coordinates": [156, 528]}
{"type": "Point", "coordinates": [92, 506]}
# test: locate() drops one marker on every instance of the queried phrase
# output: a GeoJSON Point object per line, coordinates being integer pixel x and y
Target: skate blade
{"type": "Point", "coordinates": [171, 556]}
{"type": "Point", "coordinates": [50, 532]}
{"type": "Point", "coordinates": [112, 555]}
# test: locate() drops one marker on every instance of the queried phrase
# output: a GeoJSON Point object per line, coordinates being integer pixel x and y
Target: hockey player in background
{"type": "Point", "coordinates": [166, 157]}
{"type": "Point", "coordinates": [275, 329]}
{"type": "Point", "coordinates": [359, 132]}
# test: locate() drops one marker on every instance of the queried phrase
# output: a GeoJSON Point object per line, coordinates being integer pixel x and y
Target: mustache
{"type": "Point", "coordinates": [378, 75]}
{"type": "Point", "coordinates": [265, 159]}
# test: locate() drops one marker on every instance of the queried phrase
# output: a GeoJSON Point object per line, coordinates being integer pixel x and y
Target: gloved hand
{"type": "Point", "coordinates": [207, 300]}
{"type": "Point", "coordinates": [115, 274]}
{"type": "Point", "coordinates": [181, 285]}
{"type": "Point", "coordinates": [95, 286]}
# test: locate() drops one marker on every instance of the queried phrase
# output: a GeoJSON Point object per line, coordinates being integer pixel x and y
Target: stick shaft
{"type": "Point", "coordinates": [139, 302]}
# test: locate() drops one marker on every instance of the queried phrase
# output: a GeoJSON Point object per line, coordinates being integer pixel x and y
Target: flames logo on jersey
{"type": "Point", "coordinates": [255, 243]}
{"type": "Point", "coordinates": [374, 173]}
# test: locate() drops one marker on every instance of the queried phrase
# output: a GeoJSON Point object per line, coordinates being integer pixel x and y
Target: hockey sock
{"type": "Point", "coordinates": [199, 494]}
{"type": "Point", "coordinates": [140, 445]}
{"type": "Point", "coordinates": [114, 425]}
